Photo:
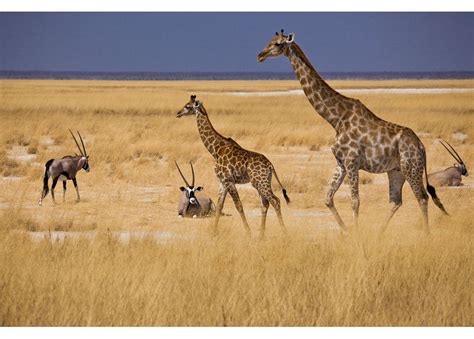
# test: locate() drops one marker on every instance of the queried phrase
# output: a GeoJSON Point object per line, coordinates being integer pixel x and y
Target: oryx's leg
{"type": "Point", "coordinates": [74, 181]}
{"type": "Point", "coordinates": [395, 182]}
{"type": "Point", "coordinates": [64, 190]}
{"type": "Point", "coordinates": [353, 174]}
{"type": "Point", "coordinates": [336, 182]}
{"type": "Point", "coordinates": [238, 205]}
{"type": "Point", "coordinates": [220, 205]}
{"type": "Point", "coordinates": [55, 181]}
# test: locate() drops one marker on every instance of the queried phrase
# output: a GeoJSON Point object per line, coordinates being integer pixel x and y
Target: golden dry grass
{"type": "Point", "coordinates": [312, 277]}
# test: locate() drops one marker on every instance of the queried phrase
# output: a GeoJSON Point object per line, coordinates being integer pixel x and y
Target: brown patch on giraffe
{"type": "Point", "coordinates": [343, 139]}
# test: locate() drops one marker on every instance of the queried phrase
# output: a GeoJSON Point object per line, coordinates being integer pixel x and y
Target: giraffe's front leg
{"type": "Point", "coordinates": [353, 174]}
{"type": "Point", "coordinates": [220, 206]}
{"type": "Point", "coordinates": [238, 205]}
{"type": "Point", "coordinates": [336, 182]}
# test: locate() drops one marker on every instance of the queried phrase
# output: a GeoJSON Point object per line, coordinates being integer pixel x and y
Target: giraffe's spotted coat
{"type": "Point", "coordinates": [363, 140]}
{"type": "Point", "coordinates": [235, 165]}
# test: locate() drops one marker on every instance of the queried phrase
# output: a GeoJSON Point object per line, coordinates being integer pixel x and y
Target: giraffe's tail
{"type": "Point", "coordinates": [285, 195]}
{"type": "Point", "coordinates": [431, 190]}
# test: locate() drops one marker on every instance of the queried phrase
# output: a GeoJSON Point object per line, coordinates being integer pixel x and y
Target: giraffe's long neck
{"type": "Point", "coordinates": [321, 96]}
{"type": "Point", "coordinates": [211, 139]}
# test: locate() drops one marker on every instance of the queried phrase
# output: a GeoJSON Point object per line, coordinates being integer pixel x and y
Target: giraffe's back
{"type": "Point", "coordinates": [241, 164]}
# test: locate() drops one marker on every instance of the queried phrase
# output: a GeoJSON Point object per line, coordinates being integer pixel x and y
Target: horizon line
{"type": "Point", "coordinates": [224, 75]}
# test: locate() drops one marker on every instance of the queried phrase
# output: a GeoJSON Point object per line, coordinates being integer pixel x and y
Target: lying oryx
{"type": "Point", "coordinates": [189, 204]}
{"type": "Point", "coordinates": [65, 169]}
{"type": "Point", "coordinates": [451, 176]}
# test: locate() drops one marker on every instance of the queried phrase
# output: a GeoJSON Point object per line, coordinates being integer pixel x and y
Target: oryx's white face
{"type": "Point", "coordinates": [277, 46]}
{"type": "Point", "coordinates": [462, 168]}
{"type": "Point", "coordinates": [190, 193]}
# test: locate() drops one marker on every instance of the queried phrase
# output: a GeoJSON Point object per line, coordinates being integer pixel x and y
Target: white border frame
{"type": "Point", "coordinates": [240, 5]}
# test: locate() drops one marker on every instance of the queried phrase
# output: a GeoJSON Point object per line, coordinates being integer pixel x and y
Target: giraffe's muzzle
{"type": "Point", "coordinates": [261, 57]}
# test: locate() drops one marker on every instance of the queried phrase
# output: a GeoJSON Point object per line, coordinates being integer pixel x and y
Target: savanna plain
{"type": "Point", "coordinates": [122, 257]}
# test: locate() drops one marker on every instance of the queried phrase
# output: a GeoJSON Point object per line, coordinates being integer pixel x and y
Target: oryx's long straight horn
{"type": "Point", "coordinates": [82, 142]}
{"type": "Point", "coordinates": [182, 176]}
{"type": "Point", "coordinates": [456, 157]}
{"type": "Point", "coordinates": [77, 143]}
{"type": "Point", "coordinates": [192, 171]}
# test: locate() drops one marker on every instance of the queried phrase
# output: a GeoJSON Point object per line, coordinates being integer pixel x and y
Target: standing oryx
{"type": "Point", "coordinates": [451, 176]}
{"type": "Point", "coordinates": [189, 204]}
{"type": "Point", "coordinates": [65, 169]}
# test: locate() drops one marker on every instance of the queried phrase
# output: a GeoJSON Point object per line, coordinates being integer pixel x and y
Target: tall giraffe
{"type": "Point", "coordinates": [363, 140]}
{"type": "Point", "coordinates": [235, 165]}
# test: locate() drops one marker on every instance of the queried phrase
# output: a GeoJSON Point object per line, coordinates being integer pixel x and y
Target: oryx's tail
{"type": "Point", "coordinates": [287, 199]}
{"type": "Point", "coordinates": [46, 178]}
{"type": "Point", "coordinates": [431, 190]}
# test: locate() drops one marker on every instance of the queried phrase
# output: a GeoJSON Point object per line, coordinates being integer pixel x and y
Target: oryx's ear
{"type": "Point", "coordinates": [182, 189]}
{"type": "Point", "coordinates": [290, 38]}
{"type": "Point", "coordinates": [197, 103]}
{"type": "Point", "coordinates": [199, 188]}
{"type": "Point", "coordinates": [87, 157]}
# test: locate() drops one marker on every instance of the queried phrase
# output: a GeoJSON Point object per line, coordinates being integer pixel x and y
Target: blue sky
{"type": "Point", "coordinates": [230, 42]}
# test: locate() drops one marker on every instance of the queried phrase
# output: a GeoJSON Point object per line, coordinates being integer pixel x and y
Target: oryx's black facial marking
{"type": "Point", "coordinates": [190, 192]}
{"type": "Point", "coordinates": [86, 167]}
{"type": "Point", "coordinates": [462, 167]}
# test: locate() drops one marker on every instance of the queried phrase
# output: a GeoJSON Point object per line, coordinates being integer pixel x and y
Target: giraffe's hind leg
{"type": "Point", "coordinates": [396, 181]}
{"type": "Point", "coordinates": [264, 188]}
{"type": "Point", "coordinates": [265, 205]}
{"type": "Point", "coordinates": [238, 205]}
{"type": "Point", "coordinates": [353, 174]}
{"type": "Point", "coordinates": [336, 182]}
{"type": "Point", "coordinates": [275, 202]}
{"type": "Point", "coordinates": [413, 172]}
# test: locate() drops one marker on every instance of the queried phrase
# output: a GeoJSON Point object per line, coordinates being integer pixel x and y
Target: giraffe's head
{"type": "Point", "coordinates": [277, 46]}
{"type": "Point", "coordinates": [193, 106]}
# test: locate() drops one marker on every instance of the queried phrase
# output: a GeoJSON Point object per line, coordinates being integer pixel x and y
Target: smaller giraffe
{"type": "Point", "coordinates": [236, 165]}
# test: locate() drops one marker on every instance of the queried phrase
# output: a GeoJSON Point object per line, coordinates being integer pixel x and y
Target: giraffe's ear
{"type": "Point", "coordinates": [290, 38]}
